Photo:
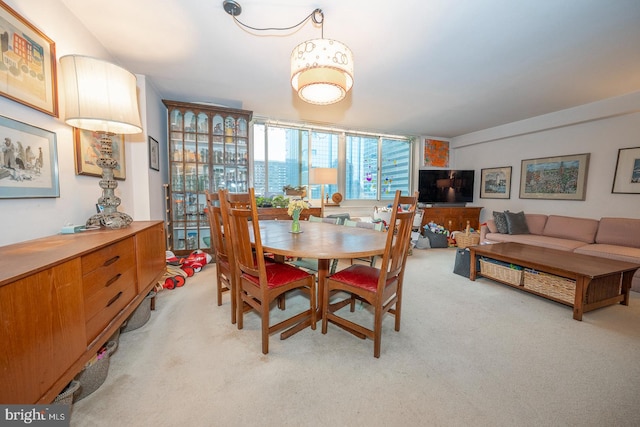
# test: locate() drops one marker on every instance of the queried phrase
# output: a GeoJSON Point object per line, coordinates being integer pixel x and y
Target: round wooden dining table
{"type": "Point", "coordinates": [322, 241]}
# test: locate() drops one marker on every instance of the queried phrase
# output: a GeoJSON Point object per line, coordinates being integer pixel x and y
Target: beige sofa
{"type": "Point", "coordinates": [615, 238]}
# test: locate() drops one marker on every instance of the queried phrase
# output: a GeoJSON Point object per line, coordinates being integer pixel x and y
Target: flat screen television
{"type": "Point", "coordinates": [445, 187]}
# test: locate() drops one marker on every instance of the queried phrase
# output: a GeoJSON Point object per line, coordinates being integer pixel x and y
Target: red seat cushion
{"type": "Point", "coordinates": [361, 276]}
{"type": "Point", "coordinates": [279, 274]}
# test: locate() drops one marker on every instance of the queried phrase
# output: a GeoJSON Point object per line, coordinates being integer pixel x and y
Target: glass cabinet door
{"type": "Point", "coordinates": [208, 150]}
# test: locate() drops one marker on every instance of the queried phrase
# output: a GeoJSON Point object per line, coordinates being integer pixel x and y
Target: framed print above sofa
{"type": "Point", "coordinates": [559, 178]}
{"type": "Point", "coordinates": [627, 176]}
{"type": "Point", "coordinates": [495, 183]}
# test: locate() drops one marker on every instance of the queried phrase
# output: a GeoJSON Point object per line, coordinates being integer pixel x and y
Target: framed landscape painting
{"type": "Point", "coordinates": [28, 161]}
{"type": "Point", "coordinates": [561, 177]}
{"type": "Point", "coordinates": [28, 66]}
{"type": "Point", "coordinates": [627, 177]}
{"type": "Point", "coordinates": [87, 151]}
{"type": "Point", "coordinates": [495, 183]}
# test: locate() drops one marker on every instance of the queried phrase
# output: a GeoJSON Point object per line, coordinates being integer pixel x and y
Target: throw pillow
{"type": "Point", "coordinates": [517, 223]}
{"type": "Point", "coordinates": [501, 222]}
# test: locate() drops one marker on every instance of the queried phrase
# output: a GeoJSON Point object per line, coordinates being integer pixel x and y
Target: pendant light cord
{"type": "Point", "coordinates": [317, 16]}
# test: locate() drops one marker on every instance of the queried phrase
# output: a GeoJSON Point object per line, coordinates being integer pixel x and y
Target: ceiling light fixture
{"type": "Point", "coordinates": [321, 69]}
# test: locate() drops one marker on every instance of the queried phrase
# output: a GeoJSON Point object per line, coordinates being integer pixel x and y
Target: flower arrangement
{"type": "Point", "coordinates": [296, 206]}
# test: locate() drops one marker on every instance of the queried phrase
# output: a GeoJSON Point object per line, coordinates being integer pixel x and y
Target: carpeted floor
{"type": "Point", "coordinates": [468, 353]}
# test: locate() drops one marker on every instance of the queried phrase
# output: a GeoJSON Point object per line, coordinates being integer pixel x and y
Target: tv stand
{"type": "Point", "coordinates": [456, 215]}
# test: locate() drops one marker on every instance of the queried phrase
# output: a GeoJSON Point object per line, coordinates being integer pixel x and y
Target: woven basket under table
{"type": "Point", "coordinates": [501, 273]}
{"type": "Point", "coordinates": [556, 287]}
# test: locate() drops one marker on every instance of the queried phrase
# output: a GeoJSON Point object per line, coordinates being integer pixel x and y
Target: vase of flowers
{"type": "Point", "coordinates": [296, 206]}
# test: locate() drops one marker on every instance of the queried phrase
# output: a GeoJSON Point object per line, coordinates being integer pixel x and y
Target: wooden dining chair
{"type": "Point", "coordinates": [221, 250]}
{"type": "Point", "coordinates": [379, 287]}
{"type": "Point", "coordinates": [261, 283]}
{"type": "Point", "coordinates": [378, 226]}
{"type": "Point", "coordinates": [311, 264]}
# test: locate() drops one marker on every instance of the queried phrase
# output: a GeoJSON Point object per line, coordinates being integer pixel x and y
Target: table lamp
{"type": "Point", "coordinates": [101, 97]}
{"type": "Point", "coordinates": [323, 176]}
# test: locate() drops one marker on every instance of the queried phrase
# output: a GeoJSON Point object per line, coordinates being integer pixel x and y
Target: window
{"type": "Point", "coordinates": [374, 166]}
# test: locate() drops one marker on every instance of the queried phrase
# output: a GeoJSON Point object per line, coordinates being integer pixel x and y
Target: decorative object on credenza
{"type": "Point", "coordinates": [29, 166]}
{"type": "Point", "coordinates": [87, 152]}
{"type": "Point", "coordinates": [154, 154]}
{"type": "Point", "coordinates": [299, 191]}
{"type": "Point", "coordinates": [560, 178]}
{"type": "Point", "coordinates": [336, 198]}
{"type": "Point", "coordinates": [321, 69]}
{"type": "Point", "coordinates": [495, 183]}
{"type": "Point", "coordinates": [28, 66]}
{"type": "Point", "coordinates": [102, 97]}
{"type": "Point", "coordinates": [627, 177]}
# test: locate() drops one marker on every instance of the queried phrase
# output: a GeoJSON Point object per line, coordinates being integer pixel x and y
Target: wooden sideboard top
{"type": "Point", "coordinates": [22, 259]}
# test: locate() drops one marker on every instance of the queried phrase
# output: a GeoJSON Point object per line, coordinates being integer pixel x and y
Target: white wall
{"type": "Point", "coordinates": [25, 219]}
{"type": "Point", "coordinates": [600, 128]}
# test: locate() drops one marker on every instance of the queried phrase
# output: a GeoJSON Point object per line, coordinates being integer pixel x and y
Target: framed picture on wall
{"type": "Point", "coordinates": [495, 183]}
{"type": "Point", "coordinates": [154, 154]}
{"type": "Point", "coordinates": [28, 67]}
{"type": "Point", "coordinates": [436, 153]}
{"type": "Point", "coordinates": [87, 152]}
{"type": "Point", "coordinates": [28, 161]}
{"type": "Point", "coordinates": [627, 177]}
{"type": "Point", "coordinates": [561, 177]}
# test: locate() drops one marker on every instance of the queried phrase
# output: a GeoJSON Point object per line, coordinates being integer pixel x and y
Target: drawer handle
{"type": "Point", "coordinates": [114, 299]}
{"type": "Point", "coordinates": [112, 280]}
{"type": "Point", "coordinates": [111, 261]}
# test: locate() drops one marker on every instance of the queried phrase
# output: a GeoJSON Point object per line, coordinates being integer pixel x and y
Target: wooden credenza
{"type": "Point", "coordinates": [458, 216]}
{"type": "Point", "coordinates": [63, 296]}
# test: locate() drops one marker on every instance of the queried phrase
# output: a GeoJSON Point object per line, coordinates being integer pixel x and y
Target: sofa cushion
{"type": "Point", "coordinates": [501, 222]}
{"type": "Point", "coordinates": [621, 253]}
{"type": "Point", "coordinates": [619, 231]}
{"type": "Point", "coordinates": [536, 222]}
{"type": "Point", "coordinates": [572, 228]}
{"type": "Point", "coordinates": [536, 240]}
{"type": "Point", "coordinates": [516, 222]}
{"type": "Point", "coordinates": [491, 225]}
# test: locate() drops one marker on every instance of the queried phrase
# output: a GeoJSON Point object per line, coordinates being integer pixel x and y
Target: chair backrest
{"type": "Point", "coordinates": [378, 226]}
{"type": "Point", "coordinates": [398, 239]}
{"type": "Point", "coordinates": [216, 224]}
{"type": "Point", "coordinates": [243, 218]}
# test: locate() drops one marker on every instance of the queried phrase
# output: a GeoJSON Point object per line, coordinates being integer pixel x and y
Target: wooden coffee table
{"type": "Point", "coordinates": [599, 282]}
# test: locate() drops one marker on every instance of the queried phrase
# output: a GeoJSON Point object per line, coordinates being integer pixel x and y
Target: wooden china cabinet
{"type": "Point", "coordinates": [208, 150]}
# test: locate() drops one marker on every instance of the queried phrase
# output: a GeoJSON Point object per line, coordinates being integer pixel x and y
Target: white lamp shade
{"type": "Point", "coordinates": [99, 96]}
{"type": "Point", "coordinates": [323, 176]}
{"type": "Point", "coordinates": [321, 71]}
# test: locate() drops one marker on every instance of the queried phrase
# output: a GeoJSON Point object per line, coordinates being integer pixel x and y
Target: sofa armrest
{"type": "Point", "coordinates": [483, 231]}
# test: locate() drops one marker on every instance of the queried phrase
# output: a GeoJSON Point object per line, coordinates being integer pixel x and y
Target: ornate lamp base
{"type": "Point", "coordinates": [113, 220]}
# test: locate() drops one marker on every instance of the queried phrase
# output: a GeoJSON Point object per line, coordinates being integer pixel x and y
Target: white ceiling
{"type": "Point", "coordinates": [422, 67]}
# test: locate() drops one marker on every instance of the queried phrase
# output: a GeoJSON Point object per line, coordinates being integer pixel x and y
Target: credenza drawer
{"type": "Point", "coordinates": [105, 309]}
{"type": "Point", "coordinates": [119, 256]}
{"type": "Point", "coordinates": [107, 293]}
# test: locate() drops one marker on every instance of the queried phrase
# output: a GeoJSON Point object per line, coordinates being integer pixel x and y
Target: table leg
{"type": "Point", "coordinates": [472, 267]}
{"type": "Point", "coordinates": [582, 283]}
{"type": "Point", "coordinates": [627, 277]}
{"type": "Point", "coordinates": [323, 271]}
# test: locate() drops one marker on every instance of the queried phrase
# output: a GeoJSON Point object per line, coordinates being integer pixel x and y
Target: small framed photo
{"type": "Point", "coordinates": [627, 176]}
{"type": "Point", "coordinates": [87, 151]}
{"type": "Point", "coordinates": [29, 161]}
{"type": "Point", "coordinates": [28, 66]}
{"type": "Point", "coordinates": [154, 154]}
{"type": "Point", "coordinates": [558, 178]}
{"type": "Point", "coordinates": [495, 183]}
